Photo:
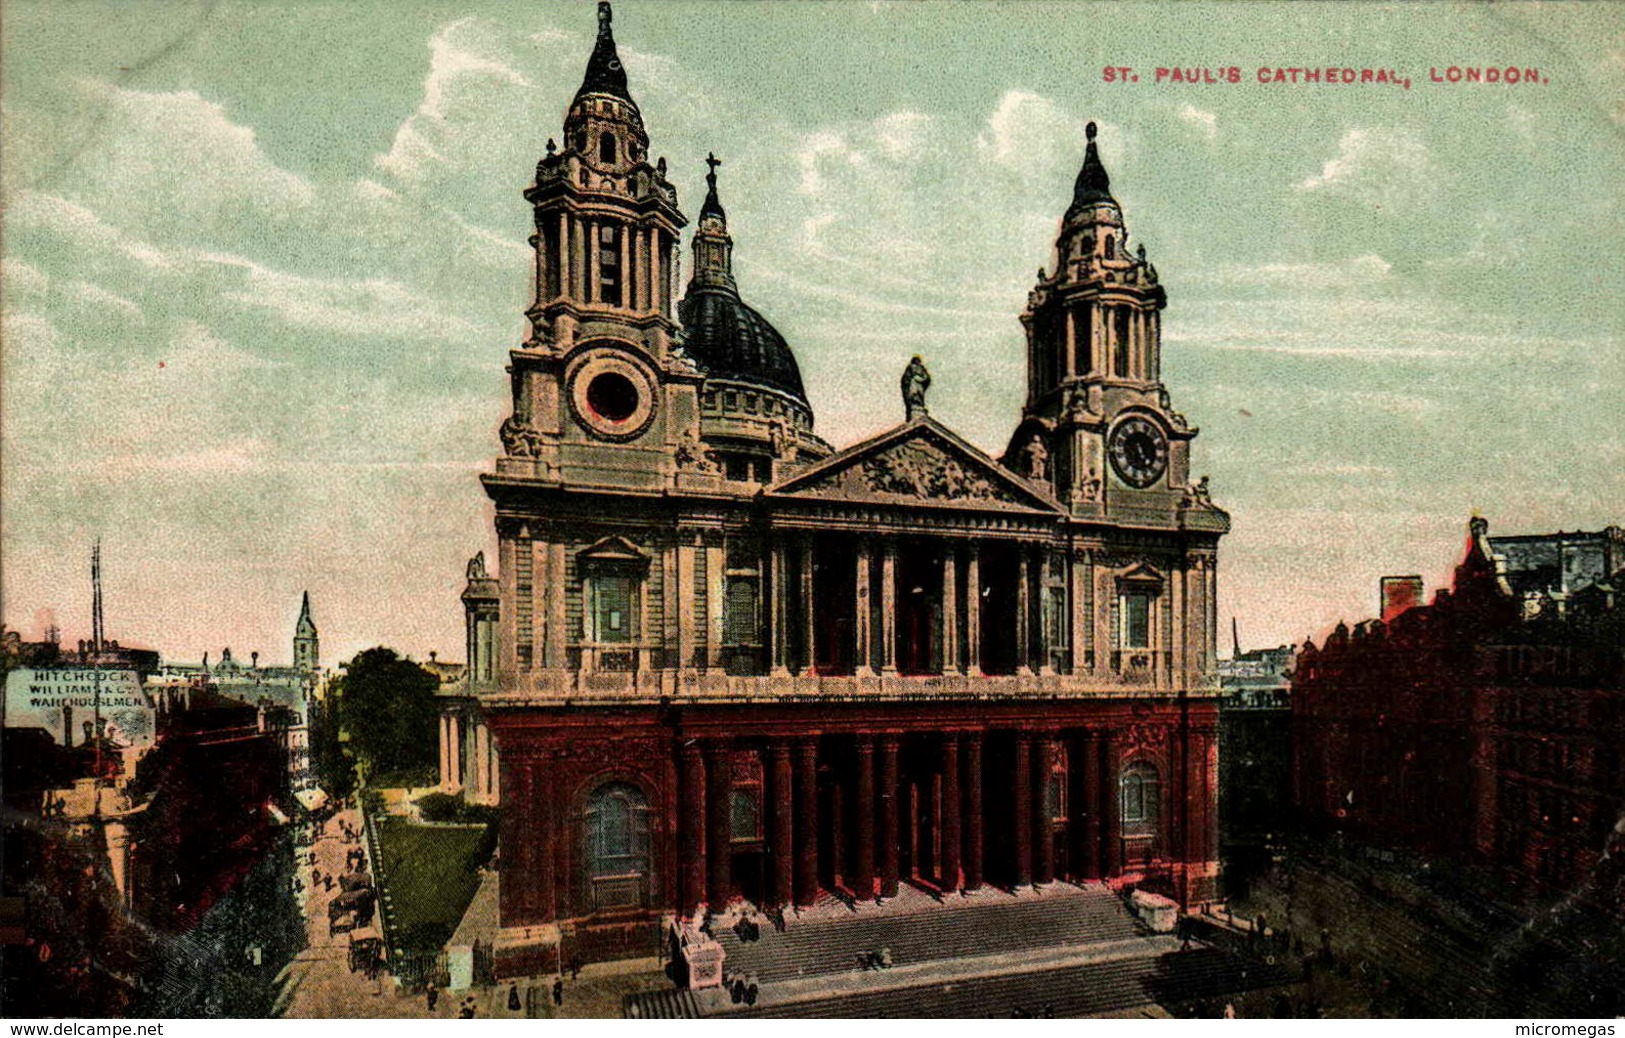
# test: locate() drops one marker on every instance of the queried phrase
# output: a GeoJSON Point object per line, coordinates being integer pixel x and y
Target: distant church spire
{"type": "Point", "coordinates": [306, 645]}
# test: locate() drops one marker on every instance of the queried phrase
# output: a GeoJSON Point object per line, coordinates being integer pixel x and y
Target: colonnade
{"type": "Point", "coordinates": [568, 262]}
{"type": "Point", "coordinates": [877, 646]}
{"type": "Point", "coordinates": [467, 758]}
{"type": "Point", "coordinates": [865, 812]}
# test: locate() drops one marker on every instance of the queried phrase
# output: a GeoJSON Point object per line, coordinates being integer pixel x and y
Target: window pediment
{"type": "Point", "coordinates": [614, 553]}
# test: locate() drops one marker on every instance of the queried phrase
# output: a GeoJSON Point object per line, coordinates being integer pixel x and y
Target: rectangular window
{"type": "Point", "coordinates": [612, 608]}
{"type": "Point", "coordinates": [1120, 323]}
{"type": "Point", "coordinates": [609, 264]}
{"type": "Point", "coordinates": [1136, 620]}
{"type": "Point", "coordinates": [739, 617]}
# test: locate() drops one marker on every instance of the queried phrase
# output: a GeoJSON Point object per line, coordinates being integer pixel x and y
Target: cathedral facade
{"type": "Point", "coordinates": [720, 659]}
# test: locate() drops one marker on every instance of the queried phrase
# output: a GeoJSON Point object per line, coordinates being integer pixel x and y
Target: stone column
{"type": "Point", "coordinates": [1021, 784]}
{"type": "Point", "coordinates": [863, 870]}
{"type": "Point", "coordinates": [1178, 665]}
{"type": "Point", "coordinates": [1071, 370]}
{"type": "Point", "coordinates": [691, 828]}
{"type": "Point", "coordinates": [890, 834]}
{"type": "Point", "coordinates": [973, 609]}
{"type": "Point", "coordinates": [688, 654]}
{"type": "Point", "coordinates": [557, 605]}
{"type": "Point", "coordinates": [863, 617]}
{"type": "Point", "coordinates": [562, 257]}
{"type": "Point", "coordinates": [547, 844]}
{"type": "Point", "coordinates": [482, 754]}
{"type": "Point", "coordinates": [626, 269]}
{"type": "Point", "coordinates": [779, 610]}
{"type": "Point", "coordinates": [508, 614]}
{"type": "Point", "coordinates": [1079, 602]}
{"type": "Point", "coordinates": [1111, 802]}
{"type": "Point", "coordinates": [1091, 800]}
{"type": "Point", "coordinates": [888, 607]}
{"type": "Point", "coordinates": [445, 756]}
{"type": "Point", "coordinates": [808, 655]}
{"type": "Point", "coordinates": [1024, 642]}
{"type": "Point", "coordinates": [783, 847]}
{"type": "Point", "coordinates": [1044, 812]}
{"type": "Point", "coordinates": [456, 753]}
{"type": "Point", "coordinates": [972, 765]}
{"type": "Point", "coordinates": [806, 827]}
{"type": "Point", "coordinates": [951, 831]}
{"type": "Point", "coordinates": [715, 592]}
{"type": "Point", "coordinates": [593, 293]}
{"type": "Point", "coordinates": [1046, 659]}
{"type": "Point", "coordinates": [718, 844]}
{"type": "Point", "coordinates": [950, 610]}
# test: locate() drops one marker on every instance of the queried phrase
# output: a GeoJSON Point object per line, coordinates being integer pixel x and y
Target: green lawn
{"type": "Point", "coordinates": [430, 873]}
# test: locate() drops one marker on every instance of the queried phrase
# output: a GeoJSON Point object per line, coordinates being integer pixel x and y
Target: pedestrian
{"type": "Point", "coordinates": [575, 967]}
{"type": "Point", "coordinates": [432, 996]}
{"type": "Point", "coordinates": [751, 990]}
{"type": "Point", "coordinates": [513, 998]}
{"type": "Point", "coordinates": [558, 991]}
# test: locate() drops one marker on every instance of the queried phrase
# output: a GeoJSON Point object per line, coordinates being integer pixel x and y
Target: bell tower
{"type": "Point", "coordinates": [601, 391]}
{"type": "Point", "coordinates": [1098, 425]}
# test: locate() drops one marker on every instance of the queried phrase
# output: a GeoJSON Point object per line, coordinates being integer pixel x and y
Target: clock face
{"type": "Point", "coordinates": [1139, 451]}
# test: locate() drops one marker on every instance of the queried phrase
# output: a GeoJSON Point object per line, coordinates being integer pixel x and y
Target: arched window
{"type": "Point", "coordinates": [606, 148]}
{"type": "Point", "coordinates": [1141, 799]}
{"type": "Point", "coordinates": [745, 819]}
{"type": "Point", "coordinates": [618, 846]}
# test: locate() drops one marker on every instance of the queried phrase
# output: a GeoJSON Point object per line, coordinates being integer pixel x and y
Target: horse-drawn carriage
{"type": "Point", "coordinates": [351, 909]}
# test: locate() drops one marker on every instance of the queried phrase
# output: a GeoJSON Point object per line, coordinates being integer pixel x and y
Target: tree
{"type": "Point", "coordinates": [386, 706]}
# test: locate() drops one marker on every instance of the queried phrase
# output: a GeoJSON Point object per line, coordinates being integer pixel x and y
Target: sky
{"type": "Point", "coordinates": [263, 263]}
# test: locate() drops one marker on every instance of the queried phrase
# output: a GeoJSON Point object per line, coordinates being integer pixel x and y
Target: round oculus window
{"type": "Point", "coordinates": [612, 397]}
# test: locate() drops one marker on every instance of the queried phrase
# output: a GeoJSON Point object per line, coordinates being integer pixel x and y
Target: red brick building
{"type": "Point", "coordinates": [1473, 729]}
{"type": "Point", "coordinates": [721, 659]}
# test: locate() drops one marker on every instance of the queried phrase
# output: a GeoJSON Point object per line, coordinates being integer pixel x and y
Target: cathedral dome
{"type": "Point", "coordinates": [726, 337]}
{"type": "Point", "coordinates": [730, 340]}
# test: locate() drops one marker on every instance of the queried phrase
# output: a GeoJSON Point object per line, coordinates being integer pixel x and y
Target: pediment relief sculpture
{"type": "Point", "coordinates": [916, 469]}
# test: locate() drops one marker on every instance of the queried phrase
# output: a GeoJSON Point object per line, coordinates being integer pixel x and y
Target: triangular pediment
{"type": "Point", "coordinates": [921, 463]}
{"type": "Point", "coordinates": [614, 549]}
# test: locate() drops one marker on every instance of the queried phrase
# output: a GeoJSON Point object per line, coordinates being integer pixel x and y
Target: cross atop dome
{"type": "Point", "coordinates": [712, 205]}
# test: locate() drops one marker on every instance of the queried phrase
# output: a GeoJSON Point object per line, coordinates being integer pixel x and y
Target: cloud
{"type": "Point", "coordinates": [178, 159]}
{"type": "Point", "coordinates": [1205, 122]}
{"type": "Point", "coordinates": [460, 94]}
{"type": "Point", "coordinates": [1378, 165]}
{"type": "Point", "coordinates": [1027, 129]}
{"type": "Point", "coordinates": [1356, 271]}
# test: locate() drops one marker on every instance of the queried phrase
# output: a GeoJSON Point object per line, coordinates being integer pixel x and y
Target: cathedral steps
{"type": "Point", "coordinates": [989, 923]}
{"type": "Point", "coordinates": [1087, 989]}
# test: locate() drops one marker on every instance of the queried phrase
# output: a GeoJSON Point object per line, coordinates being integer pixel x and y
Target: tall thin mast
{"type": "Point", "coordinates": [96, 647]}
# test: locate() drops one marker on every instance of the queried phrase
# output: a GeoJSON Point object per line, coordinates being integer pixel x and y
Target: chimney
{"type": "Point", "coordinates": [1400, 594]}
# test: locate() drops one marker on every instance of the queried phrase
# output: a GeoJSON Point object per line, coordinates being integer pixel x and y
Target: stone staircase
{"type": "Point", "coordinates": [988, 923]}
{"type": "Point", "coordinates": [1090, 989]}
{"type": "Point", "coordinates": [1064, 951]}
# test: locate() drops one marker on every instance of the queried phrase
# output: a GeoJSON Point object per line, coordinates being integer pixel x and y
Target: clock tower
{"type": "Point", "coordinates": [1098, 426]}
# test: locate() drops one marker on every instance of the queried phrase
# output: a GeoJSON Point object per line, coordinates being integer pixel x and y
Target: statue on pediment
{"type": "Point", "coordinates": [476, 567]}
{"type": "Point", "coordinates": [916, 380]}
{"type": "Point", "coordinates": [1035, 459]}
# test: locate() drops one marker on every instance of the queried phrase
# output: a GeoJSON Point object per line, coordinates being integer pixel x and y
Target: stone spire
{"type": "Point", "coordinates": [1092, 185]}
{"type": "Point", "coordinates": [605, 73]}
